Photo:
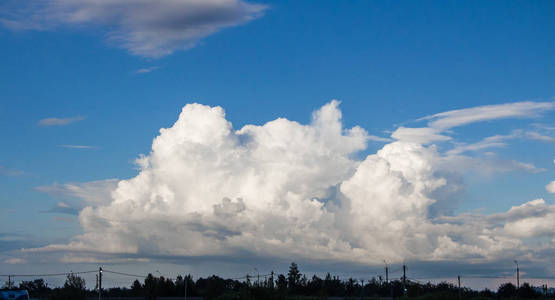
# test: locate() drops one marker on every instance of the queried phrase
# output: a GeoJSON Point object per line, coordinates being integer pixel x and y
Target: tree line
{"type": "Point", "coordinates": [293, 285]}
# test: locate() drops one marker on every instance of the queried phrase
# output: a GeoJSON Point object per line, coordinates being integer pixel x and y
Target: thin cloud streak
{"type": "Point", "coordinates": [4, 171]}
{"type": "Point", "coordinates": [15, 261]}
{"type": "Point", "coordinates": [147, 70]}
{"type": "Point", "coordinates": [92, 192]}
{"type": "Point", "coordinates": [459, 117]}
{"type": "Point", "coordinates": [424, 135]}
{"type": "Point", "coordinates": [539, 137]}
{"type": "Point", "coordinates": [500, 141]}
{"type": "Point", "coordinates": [59, 121]}
{"type": "Point", "coordinates": [379, 139]}
{"type": "Point", "coordinates": [77, 147]}
{"type": "Point", "coordinates": [439, 125]}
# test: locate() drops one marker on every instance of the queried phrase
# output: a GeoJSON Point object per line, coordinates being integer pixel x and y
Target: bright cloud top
{"type": "Point", "coordinates": [286, 190]}
{"type": "Point", "coordinates": [144, 27]}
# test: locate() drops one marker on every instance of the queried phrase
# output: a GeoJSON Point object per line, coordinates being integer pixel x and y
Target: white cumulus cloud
{"type": "Point", "coordinates": [289, 190]}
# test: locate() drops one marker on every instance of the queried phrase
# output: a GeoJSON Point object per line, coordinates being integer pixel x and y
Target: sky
{"type": "Point", "coordinates": [224, 135]}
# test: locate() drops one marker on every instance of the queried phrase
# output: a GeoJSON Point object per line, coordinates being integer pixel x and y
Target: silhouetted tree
{"type": "Point", "coordinates": [211, 287]}
{"type": "Point", "coordinates": [293, 278]}
{"type": "Point", "coordinates": [36, 288]}
{"type": "Point", "coordinates": [486, 293]}
{"type": "Point", "coordinates": [281, 284]}
{"type": "Point", "coordinates": [526, 291]}
{"type": "Point", "coordinates": [350, 287]}
{"type": "Point", "coordinates": [506, 290]}
{"type": "Point", "coordinates": [74, 289]}
{"type": "Point", "coordinates": [315, 287]}
{"type": "Point", "coordinates": [74, 282]}
{"type": "Point", "coordinates": [136, 285]}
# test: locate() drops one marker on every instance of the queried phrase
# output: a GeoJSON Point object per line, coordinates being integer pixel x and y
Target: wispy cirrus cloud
{"type": "Point", "coordinates": [379, 139]}
{"type": "Point", "coordinates": [423, 135]}
{"type": "Point", "coordinates": [75, 196]}
{"type": "Point", "coordinates": [5, 171]}
{"type": "Point", "coordinates": [499, 140]}
{"type": "Point", "coordinates": [72, 208]}
{"type": "Point", "coordinates": [147, 70]}
{"type": "Point", "coordinates": [545, 127]}
{"type": "Point", "coordinates": [487, 164]}
{"type": "Point", "coordinates": [539, 137]}
{"type": "Point", "coordinates": [143, 27]}
{"type": "Point", "coordinates": [59, 121]}
{"type": "Point", "coordinates": [440, 124]}
{"type": "Point", "coordinates": [15, 261]}
{"type": "Point", "coordinates": [488, 142]}
{"type": "Point", "coordinates": [459, 117]}
{"type": "Point", "coordinates": [92, 192]}
{"type": "Point", "coordinates": [13, 241]}
{"type": "Point", "coordinates": [84, 147]}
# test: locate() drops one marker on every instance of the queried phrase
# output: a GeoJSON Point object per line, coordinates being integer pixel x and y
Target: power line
{"type": "Point", "coordinates": [485, 276]}
{"type": "Point", "coordinates": [124, 274]}
{"type": "Point", "coordinates": [462, 276]}
{"type": "Point", "coordinates": [45, 275]}
{"type": "Point", "coordinates": [396, 270]}
{"type": "Point", "coordinates": [414, 279]}
{"type": "Point", "coordinates": [249, 276]}
{"type": "Point", "coordinates": [143, 275]}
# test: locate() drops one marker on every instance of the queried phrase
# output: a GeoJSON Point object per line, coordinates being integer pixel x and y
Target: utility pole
{"type": "Point", "coordinates": [257, 276]}
{"type": "Point", "coordinates": [517, 276]}
{"type": "Point", "coordinates": [185, 280]}
{"type": "Point", "coordinates": [249, 286]}
{"type": "Point", "coordinates": [100, 283]}
{"type": "Point", "coordinates": [362, 289]}
{"type": "Point", "coordinates": [9, 281]}
{"type": "Point", "coordinates": [386, 272]}
{"type": "Point", "coordinates": [459, 278]}
{"type": "Point", "coordinates": [404, 280]}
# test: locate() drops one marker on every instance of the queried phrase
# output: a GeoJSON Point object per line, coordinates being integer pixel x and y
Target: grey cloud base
{"type": "Point", "coordinates": [143, 27]}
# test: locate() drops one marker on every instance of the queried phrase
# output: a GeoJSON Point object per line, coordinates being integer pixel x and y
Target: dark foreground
{"type": "Point", "coordinates": [292, 286]}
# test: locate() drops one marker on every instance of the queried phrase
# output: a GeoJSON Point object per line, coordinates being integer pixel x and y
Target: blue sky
{"type": "Point", "coordinates": [389, 63]}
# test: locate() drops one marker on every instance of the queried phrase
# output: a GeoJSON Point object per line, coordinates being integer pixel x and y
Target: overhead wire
{"type": "Point", "coordinates": [124, 274]}
{"type": "Point", "coordinates": [46, 275]}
